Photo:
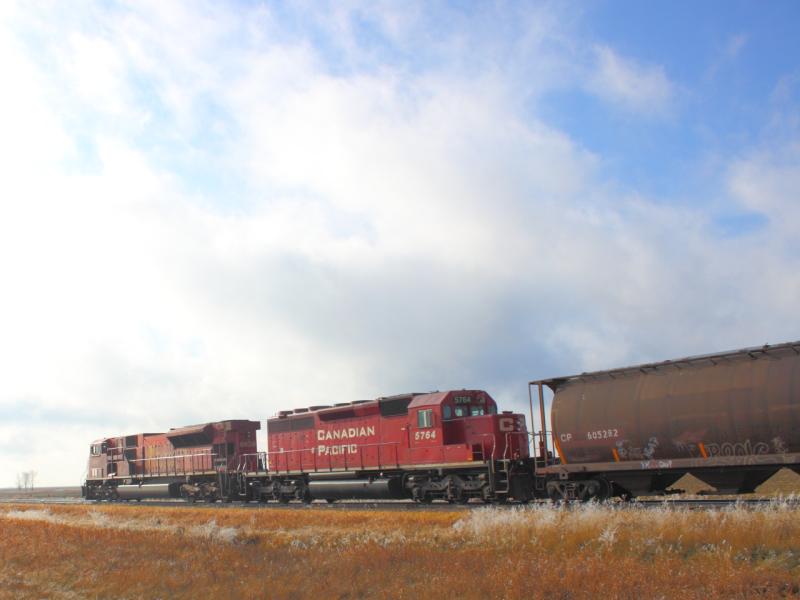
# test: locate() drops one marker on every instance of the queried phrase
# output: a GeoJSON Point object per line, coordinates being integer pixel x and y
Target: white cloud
{"type": "Point", "coordinates": [624, 82]}
{"type": "Point", "coordinates": [736, 44]}
{"type": "Point", "coordinates": [767, 182]}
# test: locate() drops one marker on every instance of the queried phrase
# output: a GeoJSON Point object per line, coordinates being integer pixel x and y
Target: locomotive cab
{"type": "Point", "coordinates": [96, 465]}
{"type": "Point", "coordinates": [464, 425]}
{"type": "Point", "coordinates": [486, 453]}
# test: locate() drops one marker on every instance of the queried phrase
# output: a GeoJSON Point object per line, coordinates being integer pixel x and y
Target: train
{"type": "Point", "coordinates": [732, 419]}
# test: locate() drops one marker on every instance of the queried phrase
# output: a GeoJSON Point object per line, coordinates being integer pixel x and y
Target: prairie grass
{"type": "Point", "coordinates": [112, 551]}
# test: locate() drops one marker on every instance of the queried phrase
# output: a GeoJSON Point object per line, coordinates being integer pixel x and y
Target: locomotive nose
{"type": "Point", "coordinates": [508, 421]}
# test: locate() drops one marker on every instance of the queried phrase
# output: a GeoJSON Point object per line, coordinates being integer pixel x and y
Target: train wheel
{"type": "Point", "coordinates": [554, 491]}
{"type": "Point", "coordinates": [606, 489]}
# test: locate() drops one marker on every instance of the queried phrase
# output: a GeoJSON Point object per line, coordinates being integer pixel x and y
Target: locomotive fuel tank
{"type": "Point", "coordinates": [147, 490]}
{"type": "Point", "coordinates": [739, 408]}
{"type": "Point", "coordinates": [361, 489]}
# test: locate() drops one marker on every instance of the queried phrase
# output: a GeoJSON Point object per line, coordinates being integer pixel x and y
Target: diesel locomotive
{"type": "Point", "coordinates": [732, 419]}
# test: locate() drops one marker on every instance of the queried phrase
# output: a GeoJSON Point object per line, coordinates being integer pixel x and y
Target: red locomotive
{"type": "Point", "coordinates": [450, 445]}
{"type": "Point", "coordinates": [190, 462]}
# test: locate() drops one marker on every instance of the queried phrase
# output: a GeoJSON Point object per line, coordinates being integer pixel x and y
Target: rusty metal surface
{"type": "Point", "coordinates": [732, 408]}
{"type": "Point", "coordinates": [204, 429]}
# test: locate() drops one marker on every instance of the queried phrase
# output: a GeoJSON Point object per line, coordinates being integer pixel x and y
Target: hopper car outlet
{"type": "Point", "coordinates": [732, 419]}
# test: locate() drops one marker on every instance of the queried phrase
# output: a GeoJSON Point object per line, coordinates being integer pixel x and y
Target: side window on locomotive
{"type": "Point", "coordinates": [447, 412]}
{"type": "Point", "coordinates": [425, 418]}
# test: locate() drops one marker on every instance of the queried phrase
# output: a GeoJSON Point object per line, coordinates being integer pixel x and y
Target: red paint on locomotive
{"type": "Point", "coordinates": [183, 451]}
{"type": "Point", "coordinates": [440, 428]}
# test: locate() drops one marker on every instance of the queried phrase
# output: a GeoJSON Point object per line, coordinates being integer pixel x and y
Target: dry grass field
{"type": "Point", "coordinates": [537, 552]}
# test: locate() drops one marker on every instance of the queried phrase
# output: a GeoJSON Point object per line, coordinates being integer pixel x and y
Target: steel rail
{"type": "Point", "coordinates": [636, 504]}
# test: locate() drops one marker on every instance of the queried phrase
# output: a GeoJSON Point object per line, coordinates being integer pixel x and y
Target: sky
{"type": "Point", "coordinates": [217, 210]}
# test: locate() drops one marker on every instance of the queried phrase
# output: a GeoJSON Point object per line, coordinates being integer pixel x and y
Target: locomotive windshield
{"type": "Point", "coordinates": [461, 410]}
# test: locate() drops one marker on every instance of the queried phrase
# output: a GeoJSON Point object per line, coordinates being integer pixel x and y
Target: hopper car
{"type": "Point", "coordinates": [732, 419]}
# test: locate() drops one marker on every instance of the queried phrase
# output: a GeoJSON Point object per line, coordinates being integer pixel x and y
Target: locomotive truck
{"type": "Point", "coordinates": [732, 419]}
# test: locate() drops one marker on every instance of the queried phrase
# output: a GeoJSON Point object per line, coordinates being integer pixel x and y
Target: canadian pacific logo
{"type": "Point", "coordinates": [341, 434]}
{"type": "Point", "coordinates": [344, 434]}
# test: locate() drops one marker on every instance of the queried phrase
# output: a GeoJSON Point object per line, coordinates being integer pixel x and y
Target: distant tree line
{"type": "Point", "coordinates": [26, 480]}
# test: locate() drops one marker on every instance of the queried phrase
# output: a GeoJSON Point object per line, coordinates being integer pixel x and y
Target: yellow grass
{"type": "Point", "coordinates": [144, 552]}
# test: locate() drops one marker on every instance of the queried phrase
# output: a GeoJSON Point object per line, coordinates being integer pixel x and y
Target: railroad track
{"type": "Point", "coordinates": [709, 503]}
{"type": "Point", "coordinates": [637, 504]}
{"type": "Point", "coordinates": [337, 506]}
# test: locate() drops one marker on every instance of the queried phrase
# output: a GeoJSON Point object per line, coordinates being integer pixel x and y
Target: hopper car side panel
{"type": "Point", "coordinates": [731, 419]}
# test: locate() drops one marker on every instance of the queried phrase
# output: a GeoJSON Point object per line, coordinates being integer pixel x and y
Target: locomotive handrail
{"type": "Point", "coordinates": [277, 466]}
{"type": "Point", "coordinates": [491, 456]}
{"type": "Point", "coordinates": [270, 465]}
{"type": "Point", "coordinates": [494, 444]}
{"type": "Point", "coordinates": [282, 452]}
{"type": "Point", "coordinates": [174, 458]}
{"type": "Point", "coordinates": [241, 466]}
{"type": "Point", "coordinates": [171, 456]}
{"type": "Point", "coordinates": [507, 449]}
{"type": "Point", "coordinates": [544, 448]}
{"type": "Point", "coordinates": [440, 448]}
{"type": "Point", "coordinates": [443, 447]}
{"type": "Point", "coordinates": [315, 463]}
{"type": "Point", "coordinates": [377, 445]}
